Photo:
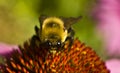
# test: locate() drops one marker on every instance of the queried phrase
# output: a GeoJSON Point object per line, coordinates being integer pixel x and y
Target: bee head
{"type": "Point", "coordinates": [54, 30]}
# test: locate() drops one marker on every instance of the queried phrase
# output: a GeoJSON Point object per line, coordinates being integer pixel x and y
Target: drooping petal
{"type": "Point", "coordinates": [6, 49]}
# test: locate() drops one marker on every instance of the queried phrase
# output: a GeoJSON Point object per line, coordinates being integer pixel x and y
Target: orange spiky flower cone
{"type": "Point", "coordinates": [79, 59]}
{"type": "Point", "coordinates": [36, 58]}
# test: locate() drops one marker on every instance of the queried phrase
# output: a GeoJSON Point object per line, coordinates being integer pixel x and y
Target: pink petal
{"type": "Point", "coordinates": [113, 65]}
{"type": "Point", "coordinates": [109, 25]}
{"type": "Point", "coordinates": [6, 49]}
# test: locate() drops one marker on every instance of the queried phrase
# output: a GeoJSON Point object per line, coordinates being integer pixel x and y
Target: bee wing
{"type": "Point", "coordinates": [69, 21]}
{"type": "Point", "coordinates": [42, 18]}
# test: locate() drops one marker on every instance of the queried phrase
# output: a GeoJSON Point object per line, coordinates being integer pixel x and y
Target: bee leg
{"type": "Point", "coordinates": [70, 37]}
{"type": "Point", "coordinates": [37, 30]}
{"type": "Point", "coordinates": [35, 41]}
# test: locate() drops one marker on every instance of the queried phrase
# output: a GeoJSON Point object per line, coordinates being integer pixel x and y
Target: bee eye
{"type": "Point", "coordinates": [58, 44]}
{"type": "Point", "coordinates": [48, 43]}
{"type": "Point", "coordinates": [51, 44]}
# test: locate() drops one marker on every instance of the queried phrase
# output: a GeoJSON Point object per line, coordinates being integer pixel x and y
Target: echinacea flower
{"type": "Point", "coordinates": [109, 25]}
{"type": "Point", "coordinates": [79, 58]}
{"type": "Point", "coordinates": [108, 17]}
{"type": "Point", "coordinates": [36, 58]}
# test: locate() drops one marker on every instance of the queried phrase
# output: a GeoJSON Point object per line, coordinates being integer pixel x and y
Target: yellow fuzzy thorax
{"type": "Point", "coordinates": [58, 30]}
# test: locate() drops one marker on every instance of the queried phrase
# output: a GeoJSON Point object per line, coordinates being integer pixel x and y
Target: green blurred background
{"type": "Point", "coordinates": [18, 18]}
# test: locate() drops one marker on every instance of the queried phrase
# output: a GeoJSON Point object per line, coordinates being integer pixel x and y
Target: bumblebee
{"type": "Point", "coordinates": [55, 31]}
